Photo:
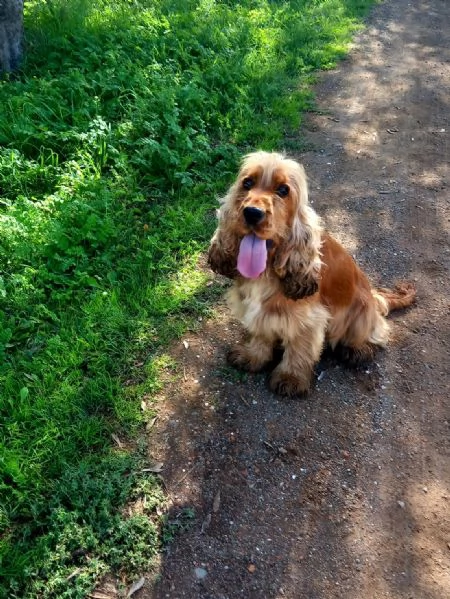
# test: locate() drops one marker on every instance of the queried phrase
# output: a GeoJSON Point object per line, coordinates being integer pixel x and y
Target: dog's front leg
{"type": "Point", "coordinates": [253, 355]}
{"type": "Point", "coordinates": [302, 349]}
{"type": "Point", "coordinates": [292, 377]}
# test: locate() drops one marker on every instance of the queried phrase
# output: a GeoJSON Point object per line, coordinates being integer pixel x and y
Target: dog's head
{"type": "Point", "coordinates": [265, 223]}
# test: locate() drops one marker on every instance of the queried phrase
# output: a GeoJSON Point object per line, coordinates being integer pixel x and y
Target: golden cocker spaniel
{"type": "Point", "coordinates": [294, 284]}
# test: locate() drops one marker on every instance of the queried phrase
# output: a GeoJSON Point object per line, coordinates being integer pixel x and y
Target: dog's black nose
{"type": "Point", "coordinates": [253, 216]}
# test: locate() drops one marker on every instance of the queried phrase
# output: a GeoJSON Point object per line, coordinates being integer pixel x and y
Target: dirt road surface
{"type": "Point", "coordinates": [345, 494]}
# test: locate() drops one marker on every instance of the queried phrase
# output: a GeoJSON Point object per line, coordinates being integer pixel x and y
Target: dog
{"type": "Point", "coordinates": [294, 285]}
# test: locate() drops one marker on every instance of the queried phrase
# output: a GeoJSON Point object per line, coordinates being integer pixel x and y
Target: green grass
{"type": "Point", "coordinates": [124, 124]}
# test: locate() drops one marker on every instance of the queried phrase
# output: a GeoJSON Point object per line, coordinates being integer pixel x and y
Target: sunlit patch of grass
{"type": "Point", "coordinates": [178, 289]}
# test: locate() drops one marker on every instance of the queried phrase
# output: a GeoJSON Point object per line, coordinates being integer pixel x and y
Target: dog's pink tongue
{"type": "Point", "coordinates": [252, 256]}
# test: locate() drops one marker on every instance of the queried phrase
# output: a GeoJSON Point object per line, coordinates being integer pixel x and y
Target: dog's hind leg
{"type": "Point", "coordinates": [356, 335]}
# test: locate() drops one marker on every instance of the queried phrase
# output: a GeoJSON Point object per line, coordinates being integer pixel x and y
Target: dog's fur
{"type": "Point", "coordinates": [311, 291]}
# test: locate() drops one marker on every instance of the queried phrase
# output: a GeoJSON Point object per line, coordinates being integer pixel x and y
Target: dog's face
{"type": "Point", "coordinates": [266, 196]}
{"type": "Point", "coordinates": [265, 224]}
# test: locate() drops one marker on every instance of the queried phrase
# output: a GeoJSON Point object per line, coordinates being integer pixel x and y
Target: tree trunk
{"type": "Point", "coordinates": [11, 32]}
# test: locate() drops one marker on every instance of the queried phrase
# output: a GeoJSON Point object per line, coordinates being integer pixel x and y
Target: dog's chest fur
{"type": "Point", "coordinates": [265, 311]}
{"type": "Point", "coordinates": [249, 300]}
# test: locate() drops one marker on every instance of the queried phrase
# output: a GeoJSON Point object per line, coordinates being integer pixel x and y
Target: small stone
{"type": "Point", "coordinates": [401, 504]}
{"type": "Point", "coordinates": [200, 573]}
{"type": "Point", "coordinates": [251, 568]}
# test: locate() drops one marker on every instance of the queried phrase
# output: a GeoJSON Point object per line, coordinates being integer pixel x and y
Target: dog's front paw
{"type": "Point", "coordinates": [242, 359]}
{"type": "Point", "coordinates": [289, 385]}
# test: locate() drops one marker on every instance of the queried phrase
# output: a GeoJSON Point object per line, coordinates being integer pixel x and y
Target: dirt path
{"type": "Point", "coordinates": [347, 494]}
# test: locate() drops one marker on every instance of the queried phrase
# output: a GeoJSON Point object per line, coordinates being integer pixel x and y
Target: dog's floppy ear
{"type": "Point", "coordinates": [224, 246]}
{"type": "Point", "coordinates": [300, 283]}
{"type": "Point", "coordinates": [222, 254]}
{"type": "Point", "coordinates": [297, 261]}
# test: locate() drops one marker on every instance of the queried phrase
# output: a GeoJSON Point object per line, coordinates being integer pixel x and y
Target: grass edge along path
{"type": "Point", "coordinates": [125, 122]}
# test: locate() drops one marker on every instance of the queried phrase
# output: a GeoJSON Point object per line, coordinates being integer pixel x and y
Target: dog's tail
{"type": "Point", "coordinates": [402, 296]}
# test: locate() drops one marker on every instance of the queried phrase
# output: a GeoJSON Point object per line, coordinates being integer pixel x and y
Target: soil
{"type": "Point", "coordinates": [345, 494]}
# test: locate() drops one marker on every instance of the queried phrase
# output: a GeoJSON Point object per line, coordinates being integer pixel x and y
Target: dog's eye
{"type": "Point", "coordinates": [248, 183]}
{"type": "Point", "coordinates": [282, 190]}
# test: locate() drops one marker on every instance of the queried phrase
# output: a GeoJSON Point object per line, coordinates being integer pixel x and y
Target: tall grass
{"type": "Point", "coordinates": [125, 122]}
